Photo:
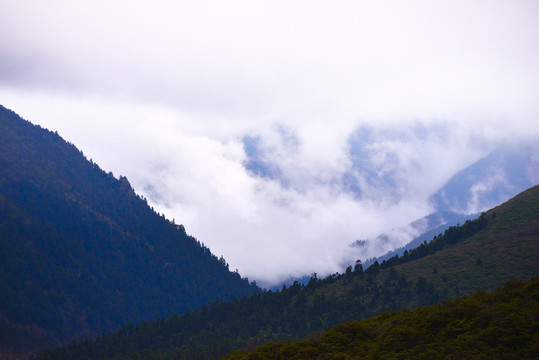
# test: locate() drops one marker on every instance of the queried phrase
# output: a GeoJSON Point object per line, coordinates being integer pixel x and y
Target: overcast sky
{"type": "Point", "coordinates": [277, 132]}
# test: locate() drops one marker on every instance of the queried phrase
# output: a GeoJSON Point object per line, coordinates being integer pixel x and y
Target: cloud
{"type": "Point", "coordinates": [304, 61]}
{"type": "Point", "coordinates": [500, 175]}
{"type": "Point", "coordinates": [278, 133]}
{"type": "Point", "coordinates": [269, 225]}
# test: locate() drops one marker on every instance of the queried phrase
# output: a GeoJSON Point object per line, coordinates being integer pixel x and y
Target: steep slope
{"type": "Point", "coordinates": [483, 326]}
{"type": "Point", "coordinates": [500, 245]}
{"type": "Point", "coordinates": [81, 253]}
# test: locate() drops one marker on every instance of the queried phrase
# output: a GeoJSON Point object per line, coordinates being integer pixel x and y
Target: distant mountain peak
{"type": "Point", "coordinates": [493, 179]}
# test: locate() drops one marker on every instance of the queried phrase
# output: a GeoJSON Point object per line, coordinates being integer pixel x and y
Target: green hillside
{"type": "Point", "coordinates": [500, 245]}
{"type": "Point", "coordinates": [506, 247]}
{"type": "Point", "coordinates": [500, 325]}
{"type": "Point", "coordinates": [81, 253]}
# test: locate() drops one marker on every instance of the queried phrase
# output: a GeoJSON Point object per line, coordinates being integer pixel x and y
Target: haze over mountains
{"type": "Point", "coordinates": [491, 180]}
{"type": "Point", "coordinates": [278, 133]}
{"type": "Point", "coordinates": [293, 217]}
{"type": "Point", "coordinates": [297, 217]}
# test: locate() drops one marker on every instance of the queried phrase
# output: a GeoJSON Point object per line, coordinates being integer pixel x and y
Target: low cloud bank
{"type": "Point", "coordinates": [272, 203]}
{"type": "Point", "coordinates": [278, 133]}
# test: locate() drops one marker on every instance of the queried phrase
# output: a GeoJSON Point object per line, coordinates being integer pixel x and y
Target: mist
{"type": "Point", "coordinates": [278, 133]}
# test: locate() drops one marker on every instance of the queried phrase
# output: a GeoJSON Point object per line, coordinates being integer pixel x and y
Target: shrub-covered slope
{"type": "Point", "coordinates": [500, 245]}
{"type": "Point", "coordinates": [81, 253]}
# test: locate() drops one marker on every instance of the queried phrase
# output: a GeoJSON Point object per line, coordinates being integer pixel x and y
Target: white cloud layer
{"type": "Point", "coordinates": [391, 97]}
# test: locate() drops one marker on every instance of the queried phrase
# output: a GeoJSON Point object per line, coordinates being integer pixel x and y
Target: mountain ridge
{"type": "Point", "coordinates": [81, 253]}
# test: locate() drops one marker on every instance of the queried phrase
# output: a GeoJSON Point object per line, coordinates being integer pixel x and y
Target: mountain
{"type": "Point", "coordinates": [492, 180]}
{"type": "Point", "coordinates": [81, 253]}
{"type": "Point", "coordinates": [500, 245]}
{"type": "Point", "coordinates": [428, 227]}
{"type": "Point", "coordinates": [488, 182]}
{"type": "Point", "coordinates": [482, 326]}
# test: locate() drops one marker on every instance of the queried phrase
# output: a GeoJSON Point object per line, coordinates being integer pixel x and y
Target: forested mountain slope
{"type": "Point", "coordinates": [501, 325]}
{"type": "Point", "coordinates": [435, 223]}
{"type": "Point", "coordinates": [500, 245]}
{"type": "Point", "coordinates": [82, 253]}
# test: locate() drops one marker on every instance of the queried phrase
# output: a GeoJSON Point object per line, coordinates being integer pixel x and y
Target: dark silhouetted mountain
{"type": "Point", "coordinates": [81, 253]}
{"type": "Point", "coordinates": [500, 245]}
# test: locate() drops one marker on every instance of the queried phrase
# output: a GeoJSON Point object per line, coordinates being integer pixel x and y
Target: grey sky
{"type": "Point", "coordinates": [166, 92]}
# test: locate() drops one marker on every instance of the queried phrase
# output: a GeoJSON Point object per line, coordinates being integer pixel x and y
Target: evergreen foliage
{"type": "Point", "coordinates": [81, 253]}
{"type": "Point", "coordinates": [300, 310]}
{"type": "Point", "coordinates": [501, 325]}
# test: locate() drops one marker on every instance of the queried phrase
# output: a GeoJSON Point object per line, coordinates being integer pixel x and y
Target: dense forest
{"type": "Point", "coordinates": [480, 254]}
{"type": "Point", "coordinates": [501, 325]}
{"type": "Point", "coordinates": [81, 253]}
